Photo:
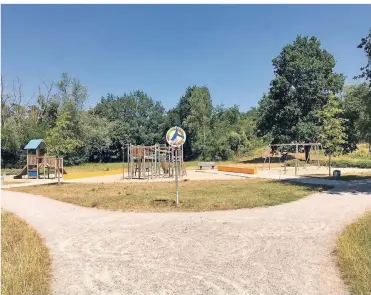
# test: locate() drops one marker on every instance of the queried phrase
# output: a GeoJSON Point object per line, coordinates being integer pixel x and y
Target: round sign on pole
{"type": "Point", "coordinates": [176, 136]}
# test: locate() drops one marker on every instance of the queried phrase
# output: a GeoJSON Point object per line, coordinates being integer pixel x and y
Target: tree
{"type": "Point", "coordinates": [61, 139]}
{"type": "Point", "coordinates": [95, 135]}
{"type": "Point", "coordinates": [365, 123]}
{"type": "Point", "coordinates": [366, 46]}
{"type": "Point", "coordinates": [332, 130]}
{"type": "Point", "coordinates": [72, 96]}
{"type": "Point", "coordinates": [303, 73]}
{"type": "Point", "coordinates": [135, 118]}
{"type": "Point", "coordinates": [199, 118]}
{"type": "Point", "coordinates": [354, 104]}
{"type": "Point", "coordinates": [178, 116]}
{"type": "Point", "coordinates": [365, 120]}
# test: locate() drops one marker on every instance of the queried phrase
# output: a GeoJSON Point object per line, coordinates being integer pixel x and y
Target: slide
{"type": "Point", "coordinates": [23, 172]}
{"type": "Point", "coordinates": [164, 167]}
{"type": "Point", "coordinates": [64, 171]}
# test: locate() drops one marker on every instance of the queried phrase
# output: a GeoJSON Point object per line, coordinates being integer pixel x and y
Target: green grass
{"type": "Point", "coordinates": [194, 195]}
{"type": "Point", "coordinates": [25, 262]}
{"type": "Point", "coordinates": [362, 175]}
{"type": "Point", "coordinates": [92, 167]}
{"type": "Point", "coordinates": [354, 252]}
{"type": "Point", "coordinates": [10, 171]}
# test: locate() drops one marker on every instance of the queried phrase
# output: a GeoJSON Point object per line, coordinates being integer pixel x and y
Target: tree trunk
{"type": "Point", "coordinates": [307, 153]}
{"type": "Point", "coordinates": [369, 148]}
{"type": "Point", "coordinates": [329, 165]}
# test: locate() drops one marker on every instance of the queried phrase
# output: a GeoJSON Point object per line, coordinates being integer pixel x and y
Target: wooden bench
{"type": "Point", "coordinates": [238, 169]}
{"type": "Point", "coordinates": [206, 164]}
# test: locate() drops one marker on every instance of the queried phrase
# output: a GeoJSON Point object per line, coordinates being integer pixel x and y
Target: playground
{"type": "Point", "coordinates": [226, 228]}
{"type": "Point", "coordinates": [162, 162]}
{"type": "Point", "coordinates": [39, 165]}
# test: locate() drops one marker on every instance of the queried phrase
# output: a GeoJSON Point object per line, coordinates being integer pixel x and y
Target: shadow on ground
{"type": "Point", "coordinates": [336, 186]}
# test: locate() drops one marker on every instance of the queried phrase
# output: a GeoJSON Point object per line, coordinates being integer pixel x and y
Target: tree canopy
{"type": "Point", "coordinates": [297, 108]}
{"type": "Point", "coordinates": [304, 73]}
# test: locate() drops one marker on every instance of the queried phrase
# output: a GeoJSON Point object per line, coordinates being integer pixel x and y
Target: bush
{"type": "Point", "coordinates": [360, 154]}
{"type": "Point", "coordinates": [338, 163]}
{"type": "Point", "coordinates": [354, 163]}
{"type": "Point", "coordinates": [9, 171]}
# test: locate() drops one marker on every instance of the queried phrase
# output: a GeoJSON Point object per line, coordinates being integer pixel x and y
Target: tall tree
{"type": "Point", "coordinates": [332, 130]}
{"type": "Point", "coordinates": [366, 73]}
{"type": "Point", "coordinates": [199, 117]}
{"type": "Point", "coordinates": [304, 72]}
{"type": "Point", "coordinates": [366, 46]}
{"type": "Point", "coordinates": [61, 139]}
{"type": "Point", "coordinates": [354, 104]}
{"type": "Point", "coordinates": [365, 120]}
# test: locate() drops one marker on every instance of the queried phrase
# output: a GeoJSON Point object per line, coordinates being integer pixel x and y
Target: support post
{"type": "Point", "coordinates": [58, 171]}
{"type": "Point", "coordinates": [296, 159]}
{"type": "Point", "coordinates": [37, 164]}
{"type": "Point", "coordinates": [123, 163]}
{"type": "Point", "coordinates": [269, 161]}
{"type": "Point", "coordinates": [27, 164]}
{"type": "Point", "coordinates": [176, 181]}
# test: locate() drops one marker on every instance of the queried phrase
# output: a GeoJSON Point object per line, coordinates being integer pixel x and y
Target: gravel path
{"type": "Point", "coordinates": [286, 249]}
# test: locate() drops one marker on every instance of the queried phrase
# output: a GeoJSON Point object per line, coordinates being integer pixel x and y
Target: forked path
{"type": "Point", "coordinates": [286, 249]}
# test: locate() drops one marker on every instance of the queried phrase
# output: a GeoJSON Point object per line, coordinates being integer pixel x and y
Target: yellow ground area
{"type": "Point", "coordinates": [91, 174]}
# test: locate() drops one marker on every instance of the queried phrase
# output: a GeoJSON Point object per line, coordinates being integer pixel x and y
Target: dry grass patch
{"type": "Point", "coordinates": [6, 182]}
{"type": "Point", "coordinates": [354, 250]}
{"type": "Point", "coordinates": [194, 196]}
{"type": "Point", "coordinates": [25, 262]}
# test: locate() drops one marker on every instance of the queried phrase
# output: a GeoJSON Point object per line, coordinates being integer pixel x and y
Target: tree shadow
{"type": "Point", "coordinates": [362, 186]}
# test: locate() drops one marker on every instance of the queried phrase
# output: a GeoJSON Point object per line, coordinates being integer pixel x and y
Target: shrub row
{"type": "Point", "coordinates": [338, 163]}
{"type": "Point", "coordinates": [9, 171]}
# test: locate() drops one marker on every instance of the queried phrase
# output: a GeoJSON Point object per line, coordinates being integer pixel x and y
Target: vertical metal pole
{"type": "Point", "coordinates": [317, 153]}
{"type": "Point", "coordinates": [27, 164]}
{"type": "Point", "coordinates": [155, 160]}
{"type": "Point", "coordinates": [269, 159]}
{"type": "Point", "coordinates": [123, 163]}
{"type": "Point", "coordinates": [37, 164]}
{"type": "Point", "coordinates": [296, 159]}
{"type": "Point", "coordinates": [59, 174]}
{"type": "Point", "coordinates": [176, 180]}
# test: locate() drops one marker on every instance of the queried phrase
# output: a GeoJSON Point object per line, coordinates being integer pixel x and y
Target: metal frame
{"type": "Point", "coordinates": [317, 147]}
{"type": "Point", "coordinates": [155, 161]}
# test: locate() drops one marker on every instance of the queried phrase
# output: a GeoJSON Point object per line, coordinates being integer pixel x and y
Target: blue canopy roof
{"type": "Point", "coordinates": [33, 144]}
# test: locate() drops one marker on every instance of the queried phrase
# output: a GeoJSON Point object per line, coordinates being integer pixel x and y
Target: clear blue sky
{"type": "Point", "coordinates": [162, 49]}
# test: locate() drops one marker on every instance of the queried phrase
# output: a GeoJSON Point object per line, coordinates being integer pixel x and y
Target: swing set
{"type": "Point", "coordinates": [291, 151]}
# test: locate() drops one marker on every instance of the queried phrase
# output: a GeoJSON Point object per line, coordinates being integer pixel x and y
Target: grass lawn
{"type": "Point", "coordinates": [92, 167]}
{"type": "Point", "coordinates": [194, 196]}
{"type": "Point", "coordinates": [354, 251]}
{"type": "Point", "coordinates": [347, 176]}
{"type": "Point", "coordinates": [25, 262]}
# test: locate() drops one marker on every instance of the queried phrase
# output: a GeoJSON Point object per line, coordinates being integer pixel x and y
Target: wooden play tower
{"type": "Point", "coordinates": [38, 164]}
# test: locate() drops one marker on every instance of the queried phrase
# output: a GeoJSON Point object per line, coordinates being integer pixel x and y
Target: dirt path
{"type": "Point", "coordinates": [286, 249]}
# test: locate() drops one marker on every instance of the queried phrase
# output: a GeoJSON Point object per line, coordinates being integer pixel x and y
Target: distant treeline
{"type": "Point", "coordinates": [289, 112]}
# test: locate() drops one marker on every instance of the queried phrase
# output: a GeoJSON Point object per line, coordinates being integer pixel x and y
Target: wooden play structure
{"type": "Point", "coordinates": [39, 165]}
{"type": "Point", "coordinates": [156, 161]}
